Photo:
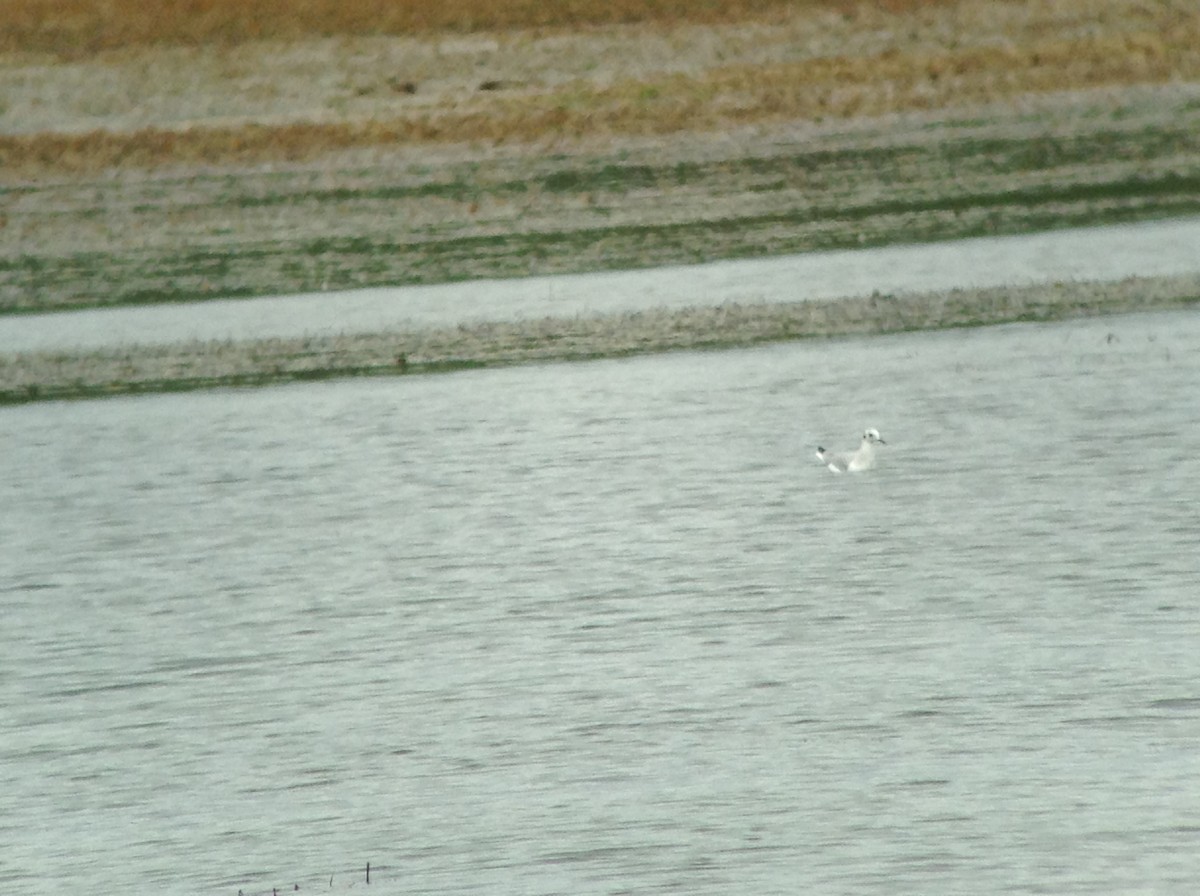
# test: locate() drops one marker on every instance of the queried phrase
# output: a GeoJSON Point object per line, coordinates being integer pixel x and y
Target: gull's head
{"type": "Point", "coordinates": [872, 435]}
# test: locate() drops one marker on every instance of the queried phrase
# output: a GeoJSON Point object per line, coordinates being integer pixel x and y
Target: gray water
{"type": "Point", "coordinates": [1112, 252]}
{"type": "Point", "coordinates": [611, 628]}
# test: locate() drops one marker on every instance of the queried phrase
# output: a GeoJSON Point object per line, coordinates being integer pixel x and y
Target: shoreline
{"type": "Point", "coordinates": [338, 152]}
{"type": "Point", "coordinates": [51, 376]}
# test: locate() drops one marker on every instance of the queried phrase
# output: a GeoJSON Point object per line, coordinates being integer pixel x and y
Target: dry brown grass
{"type": "Point", "coordinates": [839, 86]}
{"type": "Point", "coordinates": [74, 28]}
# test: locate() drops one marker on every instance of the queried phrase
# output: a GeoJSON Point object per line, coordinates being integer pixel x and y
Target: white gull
{"type": "Point", "coordinates": [854, 461]}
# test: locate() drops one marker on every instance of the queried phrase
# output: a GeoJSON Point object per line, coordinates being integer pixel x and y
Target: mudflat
{"type": "Point", "coordinates": [319, 145]}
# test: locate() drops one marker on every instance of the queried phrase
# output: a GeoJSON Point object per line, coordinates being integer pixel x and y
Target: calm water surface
{"type": "Point", "coordinates": [610, 628]}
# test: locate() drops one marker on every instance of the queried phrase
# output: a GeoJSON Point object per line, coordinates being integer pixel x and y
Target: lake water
{"type": "Point", "coordinates": [610, 627]}
{"type": "Point", "coordinates": [1114, 252]}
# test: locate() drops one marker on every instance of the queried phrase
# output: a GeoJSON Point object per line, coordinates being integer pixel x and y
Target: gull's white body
{"type": "Point", "coordinates": [853, 461]}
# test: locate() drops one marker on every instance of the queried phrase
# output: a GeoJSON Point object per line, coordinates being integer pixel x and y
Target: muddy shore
{"type": "Point", "coordinates": [182, 367]}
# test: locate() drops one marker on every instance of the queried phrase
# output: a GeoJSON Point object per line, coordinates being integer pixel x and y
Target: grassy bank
{"type": "Point", "coordinates": [71, 28]}
{"type": "Point", "coordinates": [229, 149]}
{"type": "Point", "coordinates": [655, 102]}
{"type": "Point", "coordinates": [49, 376]}
{"type": "Point", "coordinates": [1068, 161]}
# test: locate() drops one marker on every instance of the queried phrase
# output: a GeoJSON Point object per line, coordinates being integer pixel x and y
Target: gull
{"type": "Point", "coordinates": [854, 461]}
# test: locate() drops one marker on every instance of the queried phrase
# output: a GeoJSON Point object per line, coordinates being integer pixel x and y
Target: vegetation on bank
{"type": "Point", "coordinates": [813, 60]}
{"type": "Point", "coordinates": [71, 28]}
{"type": "Point", "coordinates": [245, 233]}
{"type": "Point", "coordinates": [652, 103]}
